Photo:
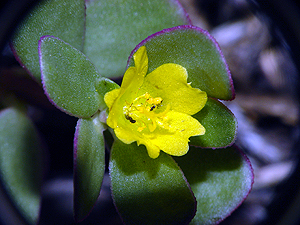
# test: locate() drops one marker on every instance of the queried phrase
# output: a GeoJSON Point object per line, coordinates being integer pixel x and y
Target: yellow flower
{"type": "Point", "coordinates": [155, 109]}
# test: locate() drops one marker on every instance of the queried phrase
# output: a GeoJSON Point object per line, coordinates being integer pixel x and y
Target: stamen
{"type": "Point", "coordinates": [142, 112]}
{"type": "Point", "coordinates": [154, 101]}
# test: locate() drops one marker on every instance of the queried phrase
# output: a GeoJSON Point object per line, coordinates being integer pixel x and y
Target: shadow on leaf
{"type": "Point", "coordinates": [132, 159]}
{"type": "Point", "coordinates": [198, 162]}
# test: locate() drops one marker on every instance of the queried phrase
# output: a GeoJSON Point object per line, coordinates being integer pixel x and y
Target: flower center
{"type": "Point", "coordinates": [142, 111]}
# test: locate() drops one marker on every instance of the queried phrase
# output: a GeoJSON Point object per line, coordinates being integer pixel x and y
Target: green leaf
{"type": "Point", "coordinates": [115, 27]}
{"type": "Point", "coordinates": [104, 85]}
{"type": "Point", "coordinates": [220, 125]}
{"type": "Point", "coordinates": [70, 79]}
{"type": "Point", "coordinates": [89, 165]}
{"type": "Point", "coordinates": [61, 18]}
{"type": "Point", "coordinates": [21, 162]}
{"type": "Point", "coordinates": [220, 179]}
{"type": "Point", "coordinates": [197, 51]}
{"type": "Point", "coordinates": [149, 191]}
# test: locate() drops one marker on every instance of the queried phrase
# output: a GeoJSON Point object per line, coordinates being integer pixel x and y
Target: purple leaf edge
{"type": "Point", "coordinates": [186, 181]}
{"type": "Point", "coordinates": [236, 129]}
{"type": "Point", "coordinates": [75, 143]}
{"type": "Point", "coordinates": [199, 30]}
{"type": "Point", "coordinates": [43, 76]}
{"type": "Point", "coordinates": [247, 160]}
{"type": "Point", "coordinates": [19, 60]}
{"type": "Point", "coordinates": [191, 191]}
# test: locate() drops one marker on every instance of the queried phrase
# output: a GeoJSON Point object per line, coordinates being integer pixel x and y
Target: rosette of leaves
{"type": "Point", "coordinates": [75, 60]}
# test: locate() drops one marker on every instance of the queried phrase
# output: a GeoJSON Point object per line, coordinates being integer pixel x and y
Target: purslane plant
{"type": "Point", "coordinates": [167, 105]}
{"type": "Point", "coordinates": [133, 109]}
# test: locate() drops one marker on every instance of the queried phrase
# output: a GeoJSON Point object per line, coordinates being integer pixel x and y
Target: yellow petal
{"type": "Point", "coordinates": [169, 82]}
{"type": "Point", "coordinates": [174, 141]}
{"type": "Point", "coordinates": [110, 97]}
{"type": "Point", "coordinates": [152, 149]}
{"type": "Point", "coordinates": [128, 77]}
{"type": "Point", "coordinates": [134, 76]}
{"type": "Point", "coordinates": [125, 135]}
{"type": "Point", "coordinates": [141, 60]}
{"type": "Point", "coordinates": [183, 126]}
{"type": "Point", "coordinates": [132, 81]}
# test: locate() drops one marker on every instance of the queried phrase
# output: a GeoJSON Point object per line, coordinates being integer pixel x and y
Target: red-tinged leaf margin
{"type": "Point", "coordinates": [215, 176]}
{"type": "Point", "coordinates": [48, 17]}
{"type": "Point", "coordinates": [89, 165]}
{"type": "Point", "coordinates": [247, 160]}
{"type": "Point", "coordinates": [65, 73]}
{"type": "Point", "coordinates": [170, 56]}
{"type": "Point", "coordinates": [120, 25]}
{"type": "Point", "coordinates": [147, 190]}
{"type": "Point", "coordinates": [220, 125]}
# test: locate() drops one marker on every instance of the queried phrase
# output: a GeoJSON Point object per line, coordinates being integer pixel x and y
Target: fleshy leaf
{"type": "Point", "coordinates": [69, 78]}
{"type": "Point", "coordinates": [21, 162]}
{"type": "Point", "coordinates": [104, 85]}
{"type": "Point", "coordinates": [61, 18]}
{"type": "Point", "coordinates": [197, 51]}
{"type": "Point", "coordinates": [114, 27]}
{"type": "Point", "coordinates": [220, 179]}
{"type": "Point", "coordinates": [89, 164]}
{"type": "Point", "coordinates": [220, 125]}
{"type": "Point", "coordinates": [149, 191]}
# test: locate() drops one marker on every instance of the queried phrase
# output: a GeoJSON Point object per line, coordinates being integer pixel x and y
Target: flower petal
{"type": "Point", "coordinates": [152, 149]}
{"type": "Point", "coordinates": [134, 76]}
{"type": "Point", "coordinates": [173, 141]}
{"type": "Point", "coordinates": [132, 81]}
{"type": "Point", "coordinates": [141, 60]}
{"type": "Point", "coordinates": [111, 96]}
{"type": "Point", "coordinates": [128, 77]}
{"type": "Point", "coordinates": [169, 81]}
{"type": "Point", "coordinates": [111, 100]}
{"type": "Point", "coordinates": [125, 135]}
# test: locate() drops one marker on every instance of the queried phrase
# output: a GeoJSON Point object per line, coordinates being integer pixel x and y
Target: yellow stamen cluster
{"type": "Point", "coordinates": [142, 111]}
